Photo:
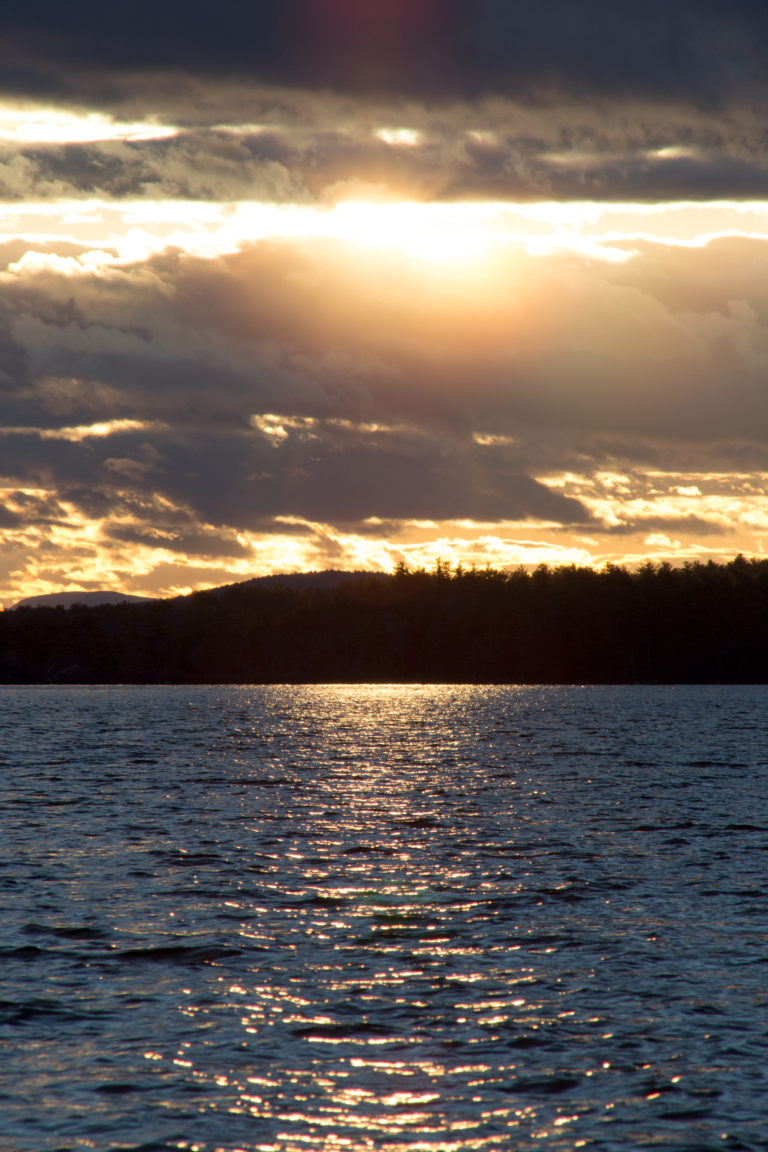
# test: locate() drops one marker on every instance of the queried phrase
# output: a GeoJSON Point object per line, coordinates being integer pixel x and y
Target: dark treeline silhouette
{"type": "Point", "coordinates": [699, 623]}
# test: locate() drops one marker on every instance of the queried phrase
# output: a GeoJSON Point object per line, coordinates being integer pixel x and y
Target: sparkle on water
{"type": "Point", "coordinates": [434, 919]}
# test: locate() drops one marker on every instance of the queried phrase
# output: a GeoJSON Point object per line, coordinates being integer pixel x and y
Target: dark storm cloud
{"type": "Point", "coordinates": [240, 481]}
{"type": "Point", "coordinates": [209, 165]}
{"type": "Point", "coordinates": [558, 100]}
{"type": "Point", "coordinates": [519, 173]}
{"type": "Point", "coordinates": [208, 543]}
{"type": "Point", "coordinates": [690, 525]}
{"type": "Point", "coordinates": [245, 482]}
{"type": "Point", "coordinates": [699, 49]}
{"type": "Point", "coordinates": [448, 163]}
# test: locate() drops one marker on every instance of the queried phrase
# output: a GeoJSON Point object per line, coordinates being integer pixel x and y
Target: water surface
{"type": "Point", "coordinates": [383, 918]}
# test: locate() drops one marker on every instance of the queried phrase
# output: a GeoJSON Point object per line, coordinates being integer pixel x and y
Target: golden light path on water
{"type": "Point", "coordinates": [378, 945]}
{"type": "Point", "coordinates": [395, 1110]}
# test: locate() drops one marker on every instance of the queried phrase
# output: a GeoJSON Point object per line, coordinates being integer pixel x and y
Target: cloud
{"type": "Point", "coordinates": [210, 544]}
{"type": "Point", "coordinates": [206, 165]}
{"type": "Point", "coordinates": [147, 380]}
{"type": "Point", "coordinates": [690, 525]}
{"type": "Point", "coordinates": [423, 99]}
{"type": "Point", "coordinates": [424, 48]}
{"type": "Point", "coordinates": [302, 147]}
{"type": "Point", "coordinates": [181, 401]}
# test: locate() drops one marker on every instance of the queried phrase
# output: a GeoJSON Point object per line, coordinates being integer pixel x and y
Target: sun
{"type": "Point", "coordinates": [443, 233]}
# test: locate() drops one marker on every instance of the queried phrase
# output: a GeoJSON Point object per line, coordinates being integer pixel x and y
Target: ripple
{"type": "Point", "coordinates": [420, 918]}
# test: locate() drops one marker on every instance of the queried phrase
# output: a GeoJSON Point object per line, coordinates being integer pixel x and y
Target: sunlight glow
{"type": "Point", "coordinates": [26, 124]}
{"type": "Point", "coordinates": [114, 233]}
{"type": "Point", "coordinates": [402, 136]}
{"type": "Point", "coordinates": [434, 235]}
{"type": "Point", "coordinates": [77, 552]}
{"type": "Point", "coordinates": [80, 432]}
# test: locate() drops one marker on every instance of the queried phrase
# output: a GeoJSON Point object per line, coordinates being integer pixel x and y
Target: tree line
{"type": "Point", "coordinates": [697, 623]}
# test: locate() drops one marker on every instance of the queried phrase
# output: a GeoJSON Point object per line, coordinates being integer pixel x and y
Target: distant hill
{"type": "Point", "coordinates": [329, 578]}
{"type": "Point", "coordinates": [298, 581]}
{"type": "Point", "coordinates": [89, 599]}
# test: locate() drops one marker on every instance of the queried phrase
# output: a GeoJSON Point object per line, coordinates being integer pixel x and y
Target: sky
{"type": "Point", "coordinates": [308, 284]}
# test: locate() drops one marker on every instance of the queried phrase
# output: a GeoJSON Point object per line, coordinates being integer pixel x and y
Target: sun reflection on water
{"type": "Point", "coordinates": [407, 971]}
{"type": "Point", "coordinates": [372, 969]}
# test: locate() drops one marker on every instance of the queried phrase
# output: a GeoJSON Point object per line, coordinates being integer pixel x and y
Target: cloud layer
{"type": "Point", "coordinates": [426, 99]}
{"type": "Point", "coordinates": [435, 49]}
{"type": "Point", "coordinates": [283, 385]}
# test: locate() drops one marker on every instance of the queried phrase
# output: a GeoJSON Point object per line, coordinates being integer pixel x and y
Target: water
{"type": "Point", "coordinates": [438, 919]}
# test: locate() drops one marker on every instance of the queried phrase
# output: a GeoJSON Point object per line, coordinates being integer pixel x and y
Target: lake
{"type": "Point", "coordinates": [379, 918]}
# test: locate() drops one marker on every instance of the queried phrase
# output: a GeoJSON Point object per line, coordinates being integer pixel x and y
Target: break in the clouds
{"type": "Point", "coordinates": [329, 282]}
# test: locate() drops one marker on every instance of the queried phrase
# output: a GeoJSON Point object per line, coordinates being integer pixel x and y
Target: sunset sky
{"type": "Point", "coordinates": [305, 284]}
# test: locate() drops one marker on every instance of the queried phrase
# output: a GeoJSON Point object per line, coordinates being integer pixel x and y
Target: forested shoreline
{"type": "Point", "coordinates": [698, 623]}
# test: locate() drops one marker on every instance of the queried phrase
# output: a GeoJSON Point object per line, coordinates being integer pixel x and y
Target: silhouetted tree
{"type": "Point", "coordinates": [700, 622]}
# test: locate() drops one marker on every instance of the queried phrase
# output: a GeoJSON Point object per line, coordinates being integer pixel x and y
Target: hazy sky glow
{"type": "Point", "coordinates": [333, 284]}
